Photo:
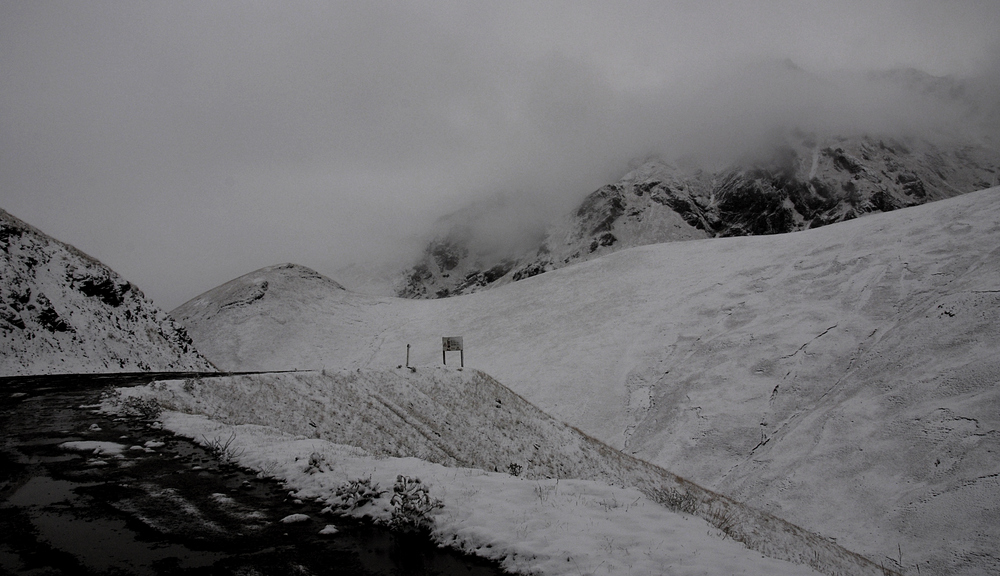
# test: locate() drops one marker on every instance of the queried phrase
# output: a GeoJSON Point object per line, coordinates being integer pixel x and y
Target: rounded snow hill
{"type": "Point", "coordinates": [844, 378]}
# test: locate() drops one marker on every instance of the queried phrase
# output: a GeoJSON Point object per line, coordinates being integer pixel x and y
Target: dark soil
{"type": "Point", "coordinates": [165, 509]}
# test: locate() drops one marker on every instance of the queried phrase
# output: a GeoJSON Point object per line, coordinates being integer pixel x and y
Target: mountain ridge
{"type": "Point", "coordinates": [805, 182]}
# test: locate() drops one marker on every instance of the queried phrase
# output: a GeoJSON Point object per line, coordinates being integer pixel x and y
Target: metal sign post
{"type": "Point", "coordinates": [452, 344]}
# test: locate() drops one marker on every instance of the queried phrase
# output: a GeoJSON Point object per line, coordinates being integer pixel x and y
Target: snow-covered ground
{"type": "Point", "coordinates": [574, 506]}
{"type": "Point", "coordinates": [842, 378]}
{"type": "Point", "coordinates": [61, 311]}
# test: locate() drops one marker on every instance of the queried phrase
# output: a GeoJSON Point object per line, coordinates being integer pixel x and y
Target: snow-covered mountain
{"type": "Point", "coordinates": [62, 311]}
{"type": "Point", "coordinates": [843, 378]}
{"type": "Point", "coordinates": [807, 181]}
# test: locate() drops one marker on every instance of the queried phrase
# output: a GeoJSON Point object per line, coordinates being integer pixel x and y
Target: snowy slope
{"type": "Point", "coordinates": [466, 419]}
{"type": "Point", "coordinates": [844, 378]}
{"type": "Point", "coordinates": [61, 311]}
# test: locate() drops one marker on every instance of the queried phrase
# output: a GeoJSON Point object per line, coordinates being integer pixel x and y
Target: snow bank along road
{"type": "Point", "coordinates": [327, 433]}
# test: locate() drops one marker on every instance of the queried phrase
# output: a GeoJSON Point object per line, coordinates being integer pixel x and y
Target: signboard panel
{"type": "Point", "coordinates": [451, 343]}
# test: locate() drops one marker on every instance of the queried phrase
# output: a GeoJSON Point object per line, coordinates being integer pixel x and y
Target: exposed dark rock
{"type": "Point", "coordinates": [447, 253]}
{"type": "Point", "coordinates": [105, 289]}
{"type": "Point", "coordinates": [843, 161]}
{"type": "Point", "coordinates": [533, 269]}
{"type": "Point", "coordinates": [10, 318]}
{"type": "Point", "coordinates": [912, 185]}
{"type": "Point", "coordinates": [883, 202]}
{"type": "Point", "coordinates": [499, 271]}
{"type": "Point", "coordinates": [48, 317]}
{"type": "Point", "coordinates": [752, 206]}
{"type": "Point", "coordinates": [606, 239]}
{"type": "Point", "coordinates": [51, 321]}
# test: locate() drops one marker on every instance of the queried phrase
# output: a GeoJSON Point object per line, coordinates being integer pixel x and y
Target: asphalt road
{"type": "Point", "coordinates": [164, 505]}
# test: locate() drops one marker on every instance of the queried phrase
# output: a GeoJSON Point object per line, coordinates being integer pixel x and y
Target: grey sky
{"type": "Point", "coordinates": [186, 143]}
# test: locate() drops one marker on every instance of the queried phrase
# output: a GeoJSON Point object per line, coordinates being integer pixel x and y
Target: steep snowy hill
{"type": "Point", "coordinates": [464, 418]}
{"type": "Point", "coordinates": [807, 181]}
{"type": "Point", "coordinates": [61, 311]}
{"type": "Point", "coordinates": [844, 378]}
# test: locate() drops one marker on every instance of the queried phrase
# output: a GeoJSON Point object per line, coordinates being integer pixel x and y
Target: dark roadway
{"type": "Point", "coordinates": [165, 508]}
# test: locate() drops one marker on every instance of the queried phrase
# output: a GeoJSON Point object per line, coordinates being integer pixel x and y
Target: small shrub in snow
{"type": "Point", "coordinates": [111, 395]}
{"type": "Point", "coordinates": [676, 500]}
{"type": "Point", "coordinates": [514, 469]}
{"type": "Point", "coordinates": [266, 470]}
{"type": "Point", "coordinates": [357, 493]}
{"type": "Point", "coordinates": [411, 504]}
{"type": "Point", "coordinates": [317, 463]}
{"type": "Point", "coordinates": [224, 450]}
{"type": "Point", "coordinates": [145, 408]}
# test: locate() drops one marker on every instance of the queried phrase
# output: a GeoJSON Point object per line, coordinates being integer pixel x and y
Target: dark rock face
{"type": "Point", "coordinates": [806, 182]}
{"type": "Point", "coordinates": [103, 288]}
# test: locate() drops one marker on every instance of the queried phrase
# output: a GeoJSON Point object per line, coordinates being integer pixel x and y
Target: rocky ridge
{"type": "Point", "coordinates": [806, 182]}
{"type": "Point", "coordinates": [62, 311]}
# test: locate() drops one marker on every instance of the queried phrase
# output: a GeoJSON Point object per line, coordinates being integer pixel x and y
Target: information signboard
{"type": "Point", "coordinates": [452, 344]}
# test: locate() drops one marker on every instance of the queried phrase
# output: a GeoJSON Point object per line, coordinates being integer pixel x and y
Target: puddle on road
{"type": "Point", "coordinates": [105, 543]}
{"type": "Point", "coordinates": [44, 491]}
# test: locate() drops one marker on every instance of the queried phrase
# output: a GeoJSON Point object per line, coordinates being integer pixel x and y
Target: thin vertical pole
{"type": "Point", "coordinates": [444, 359]}
{"type": "Point", "coordinates": [462, 357]}
{"type": "Point", "coordinates": [407, 355]}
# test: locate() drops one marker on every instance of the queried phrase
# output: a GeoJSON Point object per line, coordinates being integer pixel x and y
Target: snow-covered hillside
{"type": "Point", "coordinates": [61, 311]}
{"type": "Point", "coordinates": [843, 378]}
{"type": "Point", "coordinates": [465, 419]}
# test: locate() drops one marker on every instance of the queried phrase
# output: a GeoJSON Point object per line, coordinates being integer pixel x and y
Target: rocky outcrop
{"type": "Point", "coordinates": [62, 311]}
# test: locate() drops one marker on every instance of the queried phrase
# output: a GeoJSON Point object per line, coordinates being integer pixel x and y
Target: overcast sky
{"type": "Point", "coordinates": [187, 143]}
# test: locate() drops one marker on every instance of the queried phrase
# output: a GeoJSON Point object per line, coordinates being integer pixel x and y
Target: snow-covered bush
{"type": "Point", "coordinates": [357, 493]}
{"type": "Point", "coordinates": [317, 464]}
{"type": "Point", "coordinates": [138, 406]}
{"type": "Point", "coordinates": [411, 504]}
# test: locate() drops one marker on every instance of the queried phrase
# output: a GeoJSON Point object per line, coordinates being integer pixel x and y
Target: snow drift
{"type": "Point", "coordinates": [62, 311]}
{"type": "Point", "coordinates": [843, 378]}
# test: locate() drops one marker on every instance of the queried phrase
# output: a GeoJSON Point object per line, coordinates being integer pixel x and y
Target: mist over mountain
{"type": "Point", "coordinates": [771, 149]}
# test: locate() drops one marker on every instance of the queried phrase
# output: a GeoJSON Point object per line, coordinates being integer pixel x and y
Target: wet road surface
{"type": "Point", "coordinates": [164, 505]}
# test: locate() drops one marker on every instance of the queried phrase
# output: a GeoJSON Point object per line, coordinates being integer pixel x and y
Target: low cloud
{"type": "Point", "coordinates": [185, 143]}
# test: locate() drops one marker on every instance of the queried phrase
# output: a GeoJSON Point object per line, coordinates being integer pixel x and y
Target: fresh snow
{"type": "Point", "coordinates": [843, 378]}
{"type": "Point", "coordinates": [94, 447]}
{"type": "Point", "coordinates": [550, 527]}
{"type": "Point", "coordinates": [463, 418]}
